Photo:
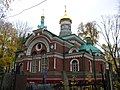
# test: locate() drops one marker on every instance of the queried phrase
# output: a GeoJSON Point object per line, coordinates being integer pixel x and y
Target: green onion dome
{"type": "Point", "coordinates": [89, 47]}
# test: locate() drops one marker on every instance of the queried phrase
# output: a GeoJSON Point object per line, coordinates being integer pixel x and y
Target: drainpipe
{"type": "Point", "coordinates": [64, 69]}
{"type": "Point", "coordinates": [94, 71]}
{"type": "Point", "coordinates": [63, 56]}
{"type": "Point", "coordinates": [83, 65]}
{"type": "Point", "coordinates": [103, 80]}
{"type": "Point", "coordinates": [94, 63]}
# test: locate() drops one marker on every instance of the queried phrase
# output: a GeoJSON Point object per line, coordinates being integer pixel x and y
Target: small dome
{"type": "Point", "coordinates": [42, 16]}
{"type": "Point", "coordinates": [88, 46]}
{"type": "Point", "coordinates": [65, 17]}
{"type": "Point", "coordinates": [88, 36]}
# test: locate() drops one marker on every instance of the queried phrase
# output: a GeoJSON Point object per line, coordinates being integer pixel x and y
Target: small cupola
{"type": "Point", "coordinates": [65, 24]}
{"type": "Point", "coordinates": [88, 40]}
{"type": "Point", "coordinates": [88, 47]}
{"type": "Point", "coordinates": [65, 17]}
{"type": "Point", "coordinates": [42, 26]}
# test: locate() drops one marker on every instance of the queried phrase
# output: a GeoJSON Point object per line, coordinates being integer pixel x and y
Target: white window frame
{"type": "Point", "coordinates": [54, 63]}
{"type": "Point", "coordinates": [71, 66]}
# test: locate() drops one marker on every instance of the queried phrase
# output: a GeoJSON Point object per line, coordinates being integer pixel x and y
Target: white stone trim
{"type": "Point", "coordinates": [19, 61]}
{"type": "Point", "coordinates": [27, 65]}
{"type": "Point", "coordinates": [71, 50]}
{"type": "Point", "coordinates": [88, 56]}
{"type": "Point", "coordinates": [58, 43]}
{"type": "Point", "coordinates": [39, 65]}
{"type": "Point", "coordinates": [55, 46]}
{"type": "Point", "coordinates": [66, 22]}
{"type": "Point", "coordinates": [100, 60]}
{"type": "Point", "coordinates": [59, 56]}
{"type": "Point", "coordinates": [29, 39]}
{"type": "Point", "coordinates": [32, 37]}
{"type": "Point", "coordinates": [36, 47]}
{"type": "Point", "coordinates": [90, 64]}
{"type": "Point", "coordinates": [54, 63]}
{"type": "Point", "coordinates": [47, 34]}
{"type": "Point", "coordinates": [73, 56]}
{"type": "Point", "coordinates": [43, 36]}
{"type": "Point", "coordinates": [42, 40]}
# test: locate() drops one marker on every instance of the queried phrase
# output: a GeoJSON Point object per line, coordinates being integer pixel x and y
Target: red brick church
{"type": "Point", "coordinates": [49, 58]}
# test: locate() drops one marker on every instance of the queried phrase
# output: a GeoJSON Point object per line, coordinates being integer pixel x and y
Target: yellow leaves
{"type": "Point", "coordinates": [6, 61]}
{"type": "Point", "coordinates": [88, 28]}
{"type": "Point", "coordinates": [0, 41]}
{"type": "Point", "coordinates": [8, 40]}
{"type": "Point", "coordinates": [1, 52]}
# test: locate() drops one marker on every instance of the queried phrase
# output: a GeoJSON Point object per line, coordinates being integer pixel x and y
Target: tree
{"type": "Point", "coordinates": [4, 6]}
{"type": "Point", "coordinates": [88, 28]}
{"type": "Point", "coordinates": [110, 30]}
{"type": "Point", "coordinates": [11, 40]}
{"type": "Point", "coordinates": [23, 30]}
{"type": "Point", "coordinates": [6, 3]}
{"type": "Point", "coordinates": [8, 44]}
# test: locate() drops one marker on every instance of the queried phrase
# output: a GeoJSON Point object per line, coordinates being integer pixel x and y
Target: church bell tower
{"type": "Point", "coordinates": [65, 25]}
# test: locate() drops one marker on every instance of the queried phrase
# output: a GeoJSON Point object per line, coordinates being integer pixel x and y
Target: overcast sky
{"type": "Point", "coordinates": [78, 10]}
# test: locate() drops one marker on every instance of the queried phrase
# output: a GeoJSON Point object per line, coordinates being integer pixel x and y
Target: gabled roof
{"type": "Point", "coordinates": [89, 48]}
{"type": "Point", "coordinates": [59, 37]}
{"type": "Point", "coordinates": [51, 35]}
{"type": "Point", "coordinates": [68, 37]}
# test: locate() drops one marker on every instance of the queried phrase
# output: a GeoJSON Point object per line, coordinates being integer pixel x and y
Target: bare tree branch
{"type": "Point", "coordinates": [110, 28]}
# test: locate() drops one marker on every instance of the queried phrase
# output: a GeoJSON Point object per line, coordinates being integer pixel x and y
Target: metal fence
{"type": "Point", "coordinates": [60, 87]}
{"type": "Point", "coordinates": [40, 87]}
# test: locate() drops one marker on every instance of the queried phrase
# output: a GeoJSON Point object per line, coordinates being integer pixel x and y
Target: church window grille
{"type": "Point", "coordinates": [74, 65]}
{"type": "Point", "coordinates": [43, 62]}
{"type": "Point", "coordinates": [34, 65]}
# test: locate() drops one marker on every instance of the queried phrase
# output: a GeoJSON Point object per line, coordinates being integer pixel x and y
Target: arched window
{"type": "Point", "coordinates": [34, 62]}
{"type": "Point", "coordinates": [44, 62]}
{"type": "Point", "coordinates": [74, 65]}
{"type": "Point", "coordinates": [73, 50]}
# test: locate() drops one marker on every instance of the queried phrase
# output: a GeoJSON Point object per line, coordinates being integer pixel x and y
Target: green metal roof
{"type": "Point", "coordinates": [67, 37]}
{"type": "Point", "coordinates": [89, 47]}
